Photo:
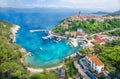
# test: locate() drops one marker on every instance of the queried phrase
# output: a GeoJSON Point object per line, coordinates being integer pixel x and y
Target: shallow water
{"type": "Point", "coordinates": [52, 52]}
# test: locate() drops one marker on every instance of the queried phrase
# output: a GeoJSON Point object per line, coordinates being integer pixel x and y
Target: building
{"type": "Point", "coordinates": [71, 34]}
{"type": "Point", "coordinates": [101, 35]}
{"type": "Point", "coordinates": [80, 32]}
{"type": "Point", "coordinates": [65, 26]}
{"type": "Point", "coordinates": [61, 73]}
{"type": "Point", "coordinates": [99, 41]}
{"type": "Point", "coordinates": [94, 63]}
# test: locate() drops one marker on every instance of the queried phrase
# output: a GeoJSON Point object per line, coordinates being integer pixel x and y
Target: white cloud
{"type": "Point", "coordinates": [106, 4]}
{"type": "Point", "coordinates": [90, 4]}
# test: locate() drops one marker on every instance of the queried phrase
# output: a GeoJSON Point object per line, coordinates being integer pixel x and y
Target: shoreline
{"type": "Point", "coordinates": [14, 31]}
{"type": "Point", "coordinates": [40, 70]}
{"type": "Point", "coordinates": [36, 70]}
{"type": "Point", "coordinates": [32, 70]}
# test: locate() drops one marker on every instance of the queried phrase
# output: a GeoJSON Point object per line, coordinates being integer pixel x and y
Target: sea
{"type": "Point", "coordinates": [44, 53]}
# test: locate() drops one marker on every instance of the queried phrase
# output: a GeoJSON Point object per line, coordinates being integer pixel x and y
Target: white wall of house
{"type": "Point", "coordinates": [93, 66]}
{"type": "Point", "coordinates": [99, 69]}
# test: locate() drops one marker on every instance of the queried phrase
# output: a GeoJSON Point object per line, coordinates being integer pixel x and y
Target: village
{"type": "Point", "coordinates": [89, 66]}
{"type": "Point", "coordinates": [90, 61]}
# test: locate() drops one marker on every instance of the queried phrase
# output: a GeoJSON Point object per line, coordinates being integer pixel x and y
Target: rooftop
{"type": "Point", "coordinates": [98, 40]}
{"type": "Point", "coordinates": [95, 59]}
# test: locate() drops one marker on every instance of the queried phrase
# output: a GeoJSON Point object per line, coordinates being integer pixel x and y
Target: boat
{"type": "Point", "coordinates": [41, 48]}
{"type": "Point", "coordinates": [29, 53]}
{"type": "Point", "coordinates": [56, 41]}
{"type": "Point", "coordinates": [44, 38]}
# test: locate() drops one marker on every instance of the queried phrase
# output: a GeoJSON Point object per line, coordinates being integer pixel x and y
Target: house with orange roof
{"type": "Point", "coordinates": [71, 34]}
{"type": "Point", "coordinates": [65, 26]}
{"type": "Point", "coordinates": [94, 63]}
{"type": "Point", "coordinates": [99, 41]}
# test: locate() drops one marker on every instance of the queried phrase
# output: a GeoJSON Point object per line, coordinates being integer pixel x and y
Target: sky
{"type": "Point", "coordinates": [74, 4]}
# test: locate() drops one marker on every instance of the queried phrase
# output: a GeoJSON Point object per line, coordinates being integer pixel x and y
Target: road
{"type": "Point", "coordinates": [107, 31]}
{"type": "Point", "coordinates": [80, 70]}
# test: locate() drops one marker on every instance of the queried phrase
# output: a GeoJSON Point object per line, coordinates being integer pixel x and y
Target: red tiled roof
{"type": "Point", "coordinates": [98, 40]}
{"type": "Point", "coordinates": [95, 59]}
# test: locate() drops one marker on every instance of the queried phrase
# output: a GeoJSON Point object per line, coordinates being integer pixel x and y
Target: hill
{"type": "Point", "coordinates": [10, 65]}
{"type": "Point", "coordinates": [100, 12]}
{"type": "Point", "coordinates": [117, 13]}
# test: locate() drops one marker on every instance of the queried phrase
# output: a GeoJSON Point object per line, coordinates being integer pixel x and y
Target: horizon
{"type": "Point", "coordinates": [82, 10]}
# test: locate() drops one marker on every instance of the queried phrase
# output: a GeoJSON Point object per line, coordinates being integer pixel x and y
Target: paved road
{"type": "Point", "coordinates": [80, 70]}
{"type": "Point", "coordinates": [107, 31]}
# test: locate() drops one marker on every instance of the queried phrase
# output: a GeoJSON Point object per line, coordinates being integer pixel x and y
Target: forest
{"type": "Point", "coordinates": [90, 26]}
{"type": "Point", "coordinates": [10, 55]}
{"type": "Point", "coordinates": [10, 66]}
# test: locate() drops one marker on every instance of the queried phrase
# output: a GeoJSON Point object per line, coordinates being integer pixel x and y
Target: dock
{"type": "Point", "coordinates": [52, 35]}
{"type": "Point", "coordinates": [41, 30]}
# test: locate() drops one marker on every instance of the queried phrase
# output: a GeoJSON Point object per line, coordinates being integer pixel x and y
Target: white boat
{"type": "Point", "coordinates": [30, 55]}
{"type": "Point", "coordinates": [44, 37]}
{"type": "Point", "coordinates": [41, 48]}
{"type": "Point", "coordinates": [56, 41]}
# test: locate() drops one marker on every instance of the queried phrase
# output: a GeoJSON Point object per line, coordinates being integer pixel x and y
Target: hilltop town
{"type": "Point", "coordinates": [98, 57]}
{"type": "Point", "coordinates": [89, 64]}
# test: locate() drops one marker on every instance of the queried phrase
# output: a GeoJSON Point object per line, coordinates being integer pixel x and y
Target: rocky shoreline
{"type": "Point", "coordinates": [14, 31]}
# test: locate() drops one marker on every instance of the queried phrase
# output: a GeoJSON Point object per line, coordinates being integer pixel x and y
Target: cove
{"type": "Point", "coordinates": [52, 53]}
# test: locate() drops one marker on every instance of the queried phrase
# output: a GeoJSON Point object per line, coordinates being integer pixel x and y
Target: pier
{"type": "Point", "coordinates": [41, 30]}
{"type": "Point", "coordinates": [52, 35]}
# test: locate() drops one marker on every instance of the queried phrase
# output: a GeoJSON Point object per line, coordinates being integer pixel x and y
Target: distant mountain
{"type": "Point", "coordinates": [100, 12]}
{"type": "Point", "coordinates": [36, 10]}
{"type": "Point", "coordinates": [116, 13]}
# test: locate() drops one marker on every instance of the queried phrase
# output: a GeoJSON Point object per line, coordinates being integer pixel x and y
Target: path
{"type": "Point", "coordinates": [80, 70]}
{"type": "Point", "coordinates": [107, 31]}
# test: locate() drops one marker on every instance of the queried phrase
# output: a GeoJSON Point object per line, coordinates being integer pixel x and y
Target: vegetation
{"type": "Point", "coordinates": [59, 30]}
{"type": "Point", "coordinates": [85, 51]}
{"type": "Point", "coordinates": [46, 75]}
{"type": "Point", "coordinates": [90, 26]}
{"type": "Point", "coordinates": [115, 33]}
{"type": "Point", "coordinates": [110, 55]}
{"type": "Point", "coordinates": [10, 66]}
{"type": "Point", "coordinates": [70, 70]}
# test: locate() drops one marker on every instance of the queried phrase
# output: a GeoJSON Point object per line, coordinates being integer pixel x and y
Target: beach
{"type": "Point", "coordinates": [40, 70]}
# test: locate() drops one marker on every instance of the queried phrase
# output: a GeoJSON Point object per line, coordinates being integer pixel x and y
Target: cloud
{"type": "Point", "coordinates": [106, 4]}
{"type": "Point", "coordinates": [90, 4]}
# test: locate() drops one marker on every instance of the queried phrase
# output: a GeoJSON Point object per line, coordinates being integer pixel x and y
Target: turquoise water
{"type": "Point", "coordinates": [52, 52]}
